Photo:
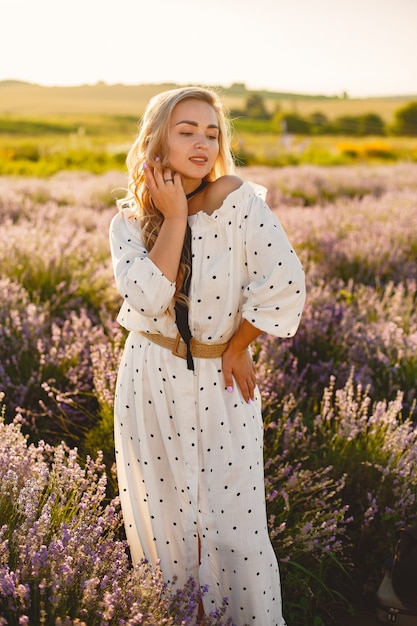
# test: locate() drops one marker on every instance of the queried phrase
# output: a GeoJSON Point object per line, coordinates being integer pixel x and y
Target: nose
{"type": "Point", "coordinates": [201, 140]}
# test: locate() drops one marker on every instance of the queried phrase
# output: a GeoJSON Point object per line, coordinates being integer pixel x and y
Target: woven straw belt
{"type": "Point", "coordinates": [179, 348]}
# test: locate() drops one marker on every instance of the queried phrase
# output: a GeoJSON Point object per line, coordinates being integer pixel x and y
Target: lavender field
{"type": "Point", "coordinates": [339, 400]}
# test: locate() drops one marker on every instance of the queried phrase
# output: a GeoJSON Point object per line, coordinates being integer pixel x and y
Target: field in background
{"type": "Point", "coordinates": [25, 99]}
{"type": "Point", "coordinates": [44, 130]}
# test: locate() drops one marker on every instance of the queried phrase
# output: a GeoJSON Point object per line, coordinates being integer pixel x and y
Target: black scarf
{"type": "Point", "coordinates": [181, 310]}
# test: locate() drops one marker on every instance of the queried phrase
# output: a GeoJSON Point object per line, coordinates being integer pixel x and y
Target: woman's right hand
{"type": "Point", "coordinates": [167, 192]}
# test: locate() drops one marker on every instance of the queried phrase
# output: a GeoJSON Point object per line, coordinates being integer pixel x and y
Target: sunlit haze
{"type": "Point", "coordinates": [362, 47]}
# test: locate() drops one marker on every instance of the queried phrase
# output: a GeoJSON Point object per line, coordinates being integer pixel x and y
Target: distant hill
{"type": "Point", "coordinates": [11, 82]}
{"type": "Point", "coordinates": [24, 99]}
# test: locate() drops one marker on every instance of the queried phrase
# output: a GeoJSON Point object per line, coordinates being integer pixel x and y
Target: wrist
{"type": "Point", "coordinates": [244, 336]}
{"type": "Point", "coordinates": [170, 218]}
{"type": "Point", "coordinates": [237, 344]}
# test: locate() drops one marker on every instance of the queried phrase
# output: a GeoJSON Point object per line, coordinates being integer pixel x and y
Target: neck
{"type": "Point", "coordinates": [197, 189]}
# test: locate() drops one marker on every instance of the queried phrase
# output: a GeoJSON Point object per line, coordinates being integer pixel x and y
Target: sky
{"type": "Point", "coordinates": [360, 47]}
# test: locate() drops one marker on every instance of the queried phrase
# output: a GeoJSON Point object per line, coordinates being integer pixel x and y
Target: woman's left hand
{"type": "Point", "coordinates": [238, 364]}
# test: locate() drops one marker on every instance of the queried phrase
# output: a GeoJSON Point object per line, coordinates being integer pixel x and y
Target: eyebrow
{"type": "Point", "coordinates": [191, 123]}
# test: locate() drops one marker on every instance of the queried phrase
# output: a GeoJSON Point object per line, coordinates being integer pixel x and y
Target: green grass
{"type": "Point", "coordinates": [44, 145]}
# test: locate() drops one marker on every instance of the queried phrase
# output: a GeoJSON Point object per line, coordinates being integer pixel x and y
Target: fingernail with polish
{"type": "Point", "coordinates": [229, 389]}
{"type": "Point", "coordinates": [144, 165]}
{"type": "Point", "coordinates": [157, 158]}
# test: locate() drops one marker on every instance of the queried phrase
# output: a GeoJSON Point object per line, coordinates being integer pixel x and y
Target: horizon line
{"type": "Point", "coordinates": [344, 95]}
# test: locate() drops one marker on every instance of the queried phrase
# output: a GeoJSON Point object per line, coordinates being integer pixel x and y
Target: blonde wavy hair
{"type": "Point", "coordinates": [152, 141]}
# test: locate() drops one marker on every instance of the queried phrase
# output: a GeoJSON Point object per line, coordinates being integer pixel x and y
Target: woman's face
{"type": "Point", "coordinates": [193, 139]}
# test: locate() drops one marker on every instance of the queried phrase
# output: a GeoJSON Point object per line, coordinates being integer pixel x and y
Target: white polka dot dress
{"type": "Point", "coordinates": [190, 454]}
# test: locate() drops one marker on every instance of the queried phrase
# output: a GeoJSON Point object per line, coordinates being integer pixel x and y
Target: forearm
{"type": "Point", "coordinates": [245, 334]}
{"type": "Point", "coordinates": [166, 251]}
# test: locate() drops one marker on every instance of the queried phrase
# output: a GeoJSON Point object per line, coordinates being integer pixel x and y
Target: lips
{"type": "Point", "coordinates": [199, 159]}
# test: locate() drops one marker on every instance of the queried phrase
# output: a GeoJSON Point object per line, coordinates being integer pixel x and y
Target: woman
{"type": "Point", "coordinates": [204, 267]}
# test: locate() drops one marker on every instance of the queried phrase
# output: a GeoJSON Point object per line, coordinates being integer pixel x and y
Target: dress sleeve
{"type": "Point", "coordinates": [275, 295]}
{"type": "Point", "coordinates": [138, 280]}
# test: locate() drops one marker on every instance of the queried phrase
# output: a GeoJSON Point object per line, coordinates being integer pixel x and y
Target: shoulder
{"type": "Point", "coordinates": [224, 185]}
{"type": "Point", "coordinates": [216, 193]}
{"type": "Point", "coordinates": [125, 221]}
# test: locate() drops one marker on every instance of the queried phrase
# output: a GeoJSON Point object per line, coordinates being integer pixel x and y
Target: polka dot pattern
{"type": "Point", "coordinates": [190, 454]}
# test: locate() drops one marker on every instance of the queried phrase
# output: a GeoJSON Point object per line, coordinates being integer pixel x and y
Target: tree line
{"type": "Point", "coordinates": [317, 123]}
